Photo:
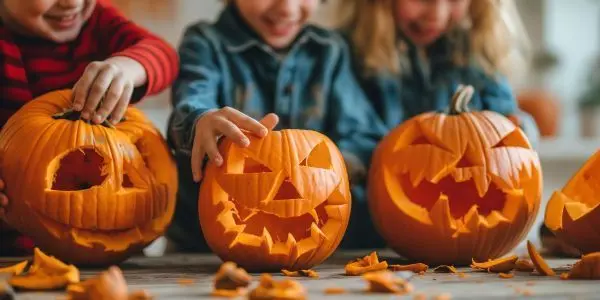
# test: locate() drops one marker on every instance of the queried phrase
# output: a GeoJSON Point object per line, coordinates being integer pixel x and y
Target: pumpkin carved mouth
{"type": "Point", "coordinates": [459, 196]}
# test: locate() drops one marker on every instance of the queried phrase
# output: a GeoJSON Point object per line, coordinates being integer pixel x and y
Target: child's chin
{"type": "Point", "coordinates": [280, 42]}
{"type": "Point", "coordinates": [63, 37]}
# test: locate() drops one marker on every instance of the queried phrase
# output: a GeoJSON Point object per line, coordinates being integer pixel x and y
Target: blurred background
{"type": "Point", "coordinates": [561, 89]}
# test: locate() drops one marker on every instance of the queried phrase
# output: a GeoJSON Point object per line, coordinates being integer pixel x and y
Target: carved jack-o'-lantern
{"type": "Point", "coordinates": [87, 194]}
{"type": "Point", "coordinates": [446, 188]}
{"type": "Point", "coordinates": [282, 202]}
{"type": "Point", "coordinates": [573, 214]}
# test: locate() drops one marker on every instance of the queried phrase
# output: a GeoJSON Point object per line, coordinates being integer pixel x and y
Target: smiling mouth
{"type": "Point", "coordinates": [292, 236]}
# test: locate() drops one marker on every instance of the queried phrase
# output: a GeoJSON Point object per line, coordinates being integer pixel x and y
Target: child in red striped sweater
{"type": "Point", "coordinates": [47, 45]}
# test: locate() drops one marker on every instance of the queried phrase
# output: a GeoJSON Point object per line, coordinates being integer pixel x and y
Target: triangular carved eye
{"type": "Point", "coordinates": [253, 166]}
{"type": "Point", "coordinates": [80, 169]}
{"type": "Point", "coordinates": [514, 139]}
{"type": "Point", "coordinates": [318, 158]}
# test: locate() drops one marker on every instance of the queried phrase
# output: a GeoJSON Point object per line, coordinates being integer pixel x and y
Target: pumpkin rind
{"type": "Point", "coordinates": [81, 214]}
{"type": "Point", "coordinates": [449, 188]}
{"type": "Point", "coordinates": [283, 202]}
{"type": "Point", "coordinates": [573, 213]}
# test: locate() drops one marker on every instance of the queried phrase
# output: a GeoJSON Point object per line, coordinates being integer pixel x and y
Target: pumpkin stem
{"type": "Point", "coordinates": [460, 100]}
{"type": "Point", "coordinates": [72, 115]}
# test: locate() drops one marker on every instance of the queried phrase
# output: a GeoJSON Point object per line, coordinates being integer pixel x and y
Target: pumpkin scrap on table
{"type": "Point", "coordinates": [460, 179]}
{"type": "Point", "coordinates": [500, 265]}
{"type": "Point", "coordinates": [415, 268]}
{"type": "Point", "coordinates": [506, 275]}
{"type": "Point", "coordinates": [45, 273]}
{"type": "Point", "coordinates": [95, 194]}
{"type": "Point", "coordinates": [524, 265]}
{"type": "Point", "coordinates": [277, 290]}
{"type": "Point", "coordinates": [231, 281]}
{"type": "Point", "coordinates": [369, 263]}
{"type": "Point", "coordinates": [334, 291]}
{"type": "Point", "coordinates": [301, 273]}
{"type": "Point", "coordinates": [108, 285]}
{"type": "Point", "coordinates": [15, 269]}
{"type": "Point", "coordinates": [285, 198]}
{"type": "Point", "coordinates": [445, 269]}
{"type": "Point", "coordinates": [588, 267]}
{"type": "Point", "coordinates": [538, 262]}
{"type": "Point", "coordinates": [386, 282]}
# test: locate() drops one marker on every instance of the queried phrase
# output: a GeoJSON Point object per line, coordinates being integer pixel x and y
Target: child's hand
{"type": "Point", "coordinates": [230, 123]}
{"type": "Point", "coordinates": [3, 200]}
{"type": "Point", "coordinates": [106, 87]}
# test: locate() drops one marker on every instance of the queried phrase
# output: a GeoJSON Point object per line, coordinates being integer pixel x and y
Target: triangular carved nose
{"type": "Point", "coordinates": [287, 191]}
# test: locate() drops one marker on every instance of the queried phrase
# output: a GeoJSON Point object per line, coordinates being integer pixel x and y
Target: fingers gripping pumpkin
{"type": "Point", "coordinates": [281, 203]}
{"type": "Point", "coordinates": [573, 213]}
{"type": "Point", "coordinates": [87, 194]}
{"type": "Point", "coordinates": [446, 188]}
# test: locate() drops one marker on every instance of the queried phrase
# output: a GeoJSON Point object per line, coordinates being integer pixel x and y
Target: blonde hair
{"type": "Point", "coordinates": [496, 40]}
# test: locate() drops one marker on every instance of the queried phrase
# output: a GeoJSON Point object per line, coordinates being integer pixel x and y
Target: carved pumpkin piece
{"type": "Point", "coordinates": [285, 194]}
{"type": "Point", "coordinates": [573, 213]}
{"type": "Point", "coordinates": [96, 192]}
{"type": "Point", "coordinates": [452, 177]}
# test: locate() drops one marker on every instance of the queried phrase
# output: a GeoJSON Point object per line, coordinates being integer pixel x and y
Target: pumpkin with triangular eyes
{"type": "Point", "coordinates": [283, 202]}
{"type": "Point", "coordinates": [87, 194]}
{"type": "Point", "coordinates": [449, 187]}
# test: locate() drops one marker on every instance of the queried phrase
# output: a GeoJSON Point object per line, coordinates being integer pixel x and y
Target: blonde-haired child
{"type": "Point", "coordinates": [412, 54]}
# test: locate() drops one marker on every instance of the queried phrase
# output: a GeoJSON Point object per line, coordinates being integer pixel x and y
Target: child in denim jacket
{"type": "Point", "coordinates": [260, 58]}
{"type": "Point", "coordinates": [412, 59]}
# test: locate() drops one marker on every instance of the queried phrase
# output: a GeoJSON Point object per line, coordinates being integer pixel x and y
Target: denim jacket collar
{"type": "Point", "coordinates": [239, 37]}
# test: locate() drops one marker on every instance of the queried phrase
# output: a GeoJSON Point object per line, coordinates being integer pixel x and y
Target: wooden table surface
{"type": "Point", "coordinates": [160, 276]}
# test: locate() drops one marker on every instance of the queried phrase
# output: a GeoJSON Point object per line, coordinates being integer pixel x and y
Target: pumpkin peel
{"type": "Point", "coordinates": [281, 290]}
{"type": "Point", "coordinates": [300, 273]}
{"type": "Point", "coordinates": [500, 265]}
{"type": "Point", "coordinates": [415, 268]}
{"type": "Point", "coordinates": [538, 262]}
{"type": "Point", "coordinates": [109, 284]}
{"type": "Point", "coordinates": [445, 269]}
{"type": "Point", "coordinates": [369, 263]}
{"type": "Point", "coordinates": [16, 269]}
{"type": "Point", "coordinates": [386, 282]}
{"type": "Point", "coordinates": [45, 273]}
{"type": "Point", "coordinates": [231, 280]}
{"type": "Point", "coordinates": [524, 265]}
{"type": "Point", "coordinates": [588, 267]}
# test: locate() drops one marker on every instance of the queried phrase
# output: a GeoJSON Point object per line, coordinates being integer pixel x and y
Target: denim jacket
{"type": "Point", "coordinates": [310, 87]}
{"type": "Point", "coordinates": [428, 85]}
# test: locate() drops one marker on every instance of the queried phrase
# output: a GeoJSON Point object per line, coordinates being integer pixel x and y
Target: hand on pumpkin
{"type": "Point", "coordinates": [226, 122]}
{"type": "Point", "coordinates": [106, 87]}
{"type": "Point", "coordinates": [3, 200]}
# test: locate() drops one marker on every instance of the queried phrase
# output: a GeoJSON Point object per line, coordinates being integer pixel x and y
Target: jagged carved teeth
{"type": "Point", "coordinates": [282, 236]}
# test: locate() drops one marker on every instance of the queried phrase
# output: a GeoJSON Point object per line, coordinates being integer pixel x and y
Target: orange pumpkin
{"type": "Point", "coordinates": [446, 188]}
{"type": "Point", "coordinates": [573, 213]}
{"type": "Point", "coordinates": [87, 194]}
{"type": "Point", "coordinates": [545, 109]}
{"type": "Point", "coordinates": [281, 203]}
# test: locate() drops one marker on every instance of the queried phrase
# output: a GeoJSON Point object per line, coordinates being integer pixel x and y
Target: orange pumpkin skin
{"type": "Point", "coordinates": [573, 213]}
{"type": "Point", "coordinates": [448, 188]}
{"type": "Point", "coordinates": [281, 203]}
{"type": "Point", "coordinates": [87, 194]}
{"type": "Point", "coordinates": [544, 108]}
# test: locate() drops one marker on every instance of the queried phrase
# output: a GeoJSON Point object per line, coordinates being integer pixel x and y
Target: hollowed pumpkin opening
{"type": "Point", "coordinates": [279, 228]}
{"type": "Point", "coordinates": [80, 169]}
{"type": "Point", "coordinates": [461, 195]}
{"type": "Point", "coordinates": [287, 191]}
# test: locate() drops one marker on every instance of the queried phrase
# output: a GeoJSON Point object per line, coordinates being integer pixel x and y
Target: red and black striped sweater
{"type": "Point", "coordinates": [30, 67]}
